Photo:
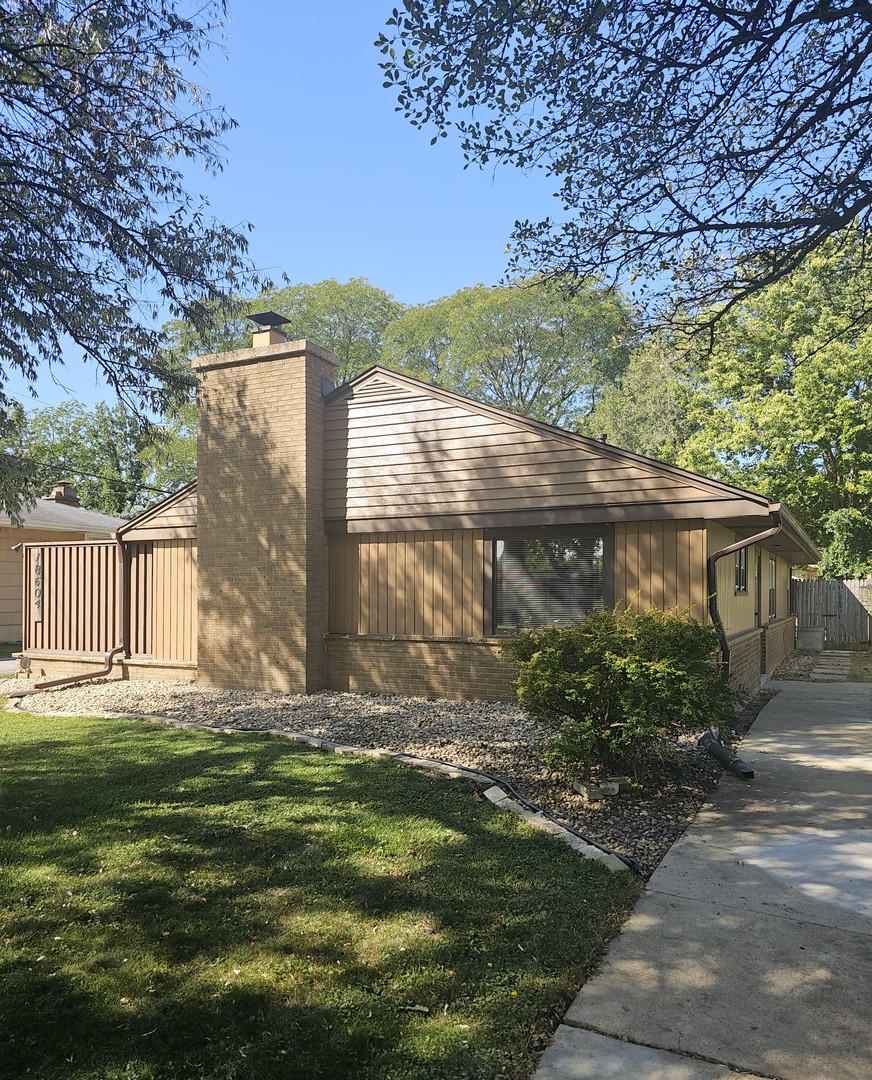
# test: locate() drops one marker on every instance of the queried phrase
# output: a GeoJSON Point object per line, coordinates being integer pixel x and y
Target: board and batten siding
{"type": "Point", "coordinates": [10, 573]}
{"type": "Point", "coordinates": [429, 584]}
{"type": "Point", "coordinates": [163, 600]}
{"type": "Point", "coordinates": [661, 564]}
{"type": "Point", "coordinates": [439, 584]}
{"type": "Point", "coordinates": [72, 599]}
{"type": "Point", "coordinates": [393, 453]}
{"type": "Point", "coordinates": [738, 610]}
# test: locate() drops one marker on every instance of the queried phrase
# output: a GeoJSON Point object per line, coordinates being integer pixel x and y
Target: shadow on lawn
{"type": "Point", "coordinates": [240, 908]}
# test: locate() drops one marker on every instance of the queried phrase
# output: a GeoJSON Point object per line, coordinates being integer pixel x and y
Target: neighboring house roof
{"type": "Point", "coordinates": [53, 516]}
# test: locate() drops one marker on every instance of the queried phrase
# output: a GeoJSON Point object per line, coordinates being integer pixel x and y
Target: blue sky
{"type": "Point", "coordinates": [335, 182]}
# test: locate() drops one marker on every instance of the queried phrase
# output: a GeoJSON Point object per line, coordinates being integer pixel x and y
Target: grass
{"type": "Point", "coordinates": [181, 905]}
{"type": "Point", "coordinates": [861, 666]}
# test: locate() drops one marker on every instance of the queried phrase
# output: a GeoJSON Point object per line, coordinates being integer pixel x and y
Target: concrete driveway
{"type": "Point", "coordinates": [751, 950]}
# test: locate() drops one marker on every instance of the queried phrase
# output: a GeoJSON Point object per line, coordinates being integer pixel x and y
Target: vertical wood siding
{"type": "Point", "coordinates": [81, 598]}
{"type": "Point", "coordinates": [79, 609]}
{"type": "Point", "coordinates": [661, 564]}
{"type": "Point", "coordinates": [737, 609]}
{"type": "Point", "coordinates": [414, 583]}
{"type": "Point", "coordinates": [10, 574]}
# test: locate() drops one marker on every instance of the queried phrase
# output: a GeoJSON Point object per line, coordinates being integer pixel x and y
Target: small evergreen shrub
{"type": "Point", "coordinates": [619, 686]}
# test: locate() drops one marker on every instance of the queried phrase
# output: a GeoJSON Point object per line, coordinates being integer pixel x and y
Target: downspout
{"type": "Point", "coordinates": [712, 582]}
{"type": "Point", "coordinates": [109, 658]}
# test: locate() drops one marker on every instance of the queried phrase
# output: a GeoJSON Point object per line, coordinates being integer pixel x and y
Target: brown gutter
{"type": "Point", "coordinates": [712, 582]}
{"type": "Point", "coordinates": [109, 658]}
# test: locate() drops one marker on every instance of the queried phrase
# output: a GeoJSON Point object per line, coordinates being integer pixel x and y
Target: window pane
{"type": "Point", "coordinates": [773, 583]}
{"type": "Point", "coordinates": [540, 581]}
{"type": "Point", "coordinates": [742, 570]}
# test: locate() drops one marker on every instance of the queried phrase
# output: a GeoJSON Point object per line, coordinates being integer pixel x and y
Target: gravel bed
{"type": "Point", "coordinates": [495, 738]}
{"type": "Point", "coordinates": [797, 667]}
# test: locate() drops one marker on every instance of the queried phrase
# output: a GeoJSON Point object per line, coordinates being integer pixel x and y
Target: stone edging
{"type": "Point", "coordinates": [493, 792]}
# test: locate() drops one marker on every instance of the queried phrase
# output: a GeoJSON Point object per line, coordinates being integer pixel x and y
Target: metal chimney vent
{"type": "Point", "coordinates": [268, 319]}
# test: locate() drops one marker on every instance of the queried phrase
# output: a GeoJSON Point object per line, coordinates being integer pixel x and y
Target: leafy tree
{"type": "Point", "coordinates": [349, 318]}
{"type": "Point", "coordinates": [97, 231]}
{"type": "Point", "coordinates": [118, 464]}
{"type": "Point", "coordinates": [784, 402]}
{"type": "Point", "coordinates": [849, 551]}
{"type": "Point", "coordinates": [724, 142]}
{"type": "Point", "coordinates": [647, 412]}
{"type": "Point", "coordinates": [21, 482]}
{"type": "Point", "coordinates": [530, 347]}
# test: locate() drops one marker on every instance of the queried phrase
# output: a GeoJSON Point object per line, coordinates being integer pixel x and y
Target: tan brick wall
{"type": "Point", "coordinates": [263, 562]}
{"type": "Point", "coordinates": [44, 668]}
{"type": "Point", "coordinates": [421, 667]}
{"type": "Point", "coordinates": [745, 661]}
{"type": "Point", "coordinates": [779, 642]}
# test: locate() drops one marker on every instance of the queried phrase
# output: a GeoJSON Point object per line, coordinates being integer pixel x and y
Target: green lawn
{"type": "Point", "coordinates": [188, 904]}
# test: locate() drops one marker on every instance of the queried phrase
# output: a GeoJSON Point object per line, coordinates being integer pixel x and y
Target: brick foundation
{"type": "Point", "coordinates": [455, 668]}
{"type": "Point", "coordinates": [746, 654]}
{"type": "Point", "coordinates": [779, 641]}
{"type": "Point", "coordinates": [755, 654]}
{"type": "Point", "coordinates": [44, 666]}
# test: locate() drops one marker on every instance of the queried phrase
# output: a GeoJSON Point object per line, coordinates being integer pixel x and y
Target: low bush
{"type": "Point", "coordinates": [619, 686]}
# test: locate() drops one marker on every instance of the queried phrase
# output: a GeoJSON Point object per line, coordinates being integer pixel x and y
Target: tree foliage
{"type": "Point", "coordinates": [849, 551]}
{"type": "Point", "coordinates": [118, 464]}
{"type": "Point", "coordinates": [722, 141]}
{"type": "Point", "coordinates": [348, 318]}
{"type": "Point", "coordinates": [529, 347]}
{"type": "Point", "coordinates": [98, 234]}
{"type": "Point", "coordinates": [21, 482]}
{"type": "Point", "coordinates": [647, 411]}
{"type": "Point", "coordinates": [783, 404]}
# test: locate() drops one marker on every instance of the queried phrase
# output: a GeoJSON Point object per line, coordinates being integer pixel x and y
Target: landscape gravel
{"type": "Point", "coordinates": [499, 739]}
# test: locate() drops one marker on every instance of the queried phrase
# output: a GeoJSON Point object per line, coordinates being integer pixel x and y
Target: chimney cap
{"type": "Point", "coordinates": [266, 319]}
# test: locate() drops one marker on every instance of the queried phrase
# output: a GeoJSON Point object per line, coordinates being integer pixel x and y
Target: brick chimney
{"type": "Point", "coordinates": [65, 493]}
{"type": "Point", "coordinates": [263, 567]}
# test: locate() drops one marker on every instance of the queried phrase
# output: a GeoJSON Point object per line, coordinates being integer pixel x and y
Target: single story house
{"type": "Point", "coordinates": [54, 517]}
{"type": "Point", "coordinates": [385, 535]}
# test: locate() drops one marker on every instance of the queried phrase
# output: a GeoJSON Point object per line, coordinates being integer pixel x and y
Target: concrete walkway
{"type": "Point", "coordinates": [750, 953]}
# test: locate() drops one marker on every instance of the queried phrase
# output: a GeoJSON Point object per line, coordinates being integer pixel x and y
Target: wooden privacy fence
{"type": "Point", "coordinates": [72, 598]}
{"type": "Point", "coordinates": [837, 606]}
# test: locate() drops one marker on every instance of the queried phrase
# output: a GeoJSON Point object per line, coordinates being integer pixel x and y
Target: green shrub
{"type": "Point", "coordinates": [618, 687]}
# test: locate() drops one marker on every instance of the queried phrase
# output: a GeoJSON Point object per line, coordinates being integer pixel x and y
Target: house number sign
{"type": "Point", "coordinates": [37, 585]}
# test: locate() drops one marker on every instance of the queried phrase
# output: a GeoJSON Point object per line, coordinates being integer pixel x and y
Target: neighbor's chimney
{"type": "Point", "coordinates": [262, 548]}
{"type": "Point", "coordinates": [65, 493]}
